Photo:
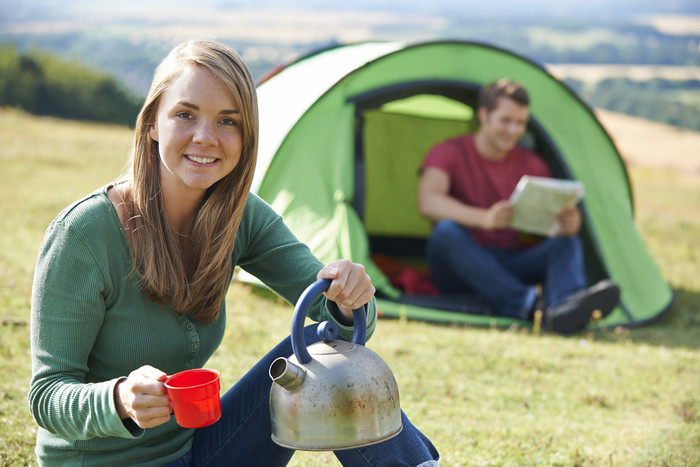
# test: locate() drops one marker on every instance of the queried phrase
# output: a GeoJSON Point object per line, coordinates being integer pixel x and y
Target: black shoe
{"type": "Point", "coordinates": [575, 313]}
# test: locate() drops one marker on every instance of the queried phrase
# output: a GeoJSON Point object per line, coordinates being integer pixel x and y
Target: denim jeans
{"type": "Point", "coordinates": [242, 437]}
{"type": "Point", "coordinates": [504, 278]}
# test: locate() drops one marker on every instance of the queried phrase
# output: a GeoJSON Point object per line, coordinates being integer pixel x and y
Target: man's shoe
{"type": "Point", "coordinates": [574, 314]}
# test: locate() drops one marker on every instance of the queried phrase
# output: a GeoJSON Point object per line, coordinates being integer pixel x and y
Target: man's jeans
{"type": "Point", "coordinates": [504, 278]}
{"type": "Point", "coordinates": [242, 436]}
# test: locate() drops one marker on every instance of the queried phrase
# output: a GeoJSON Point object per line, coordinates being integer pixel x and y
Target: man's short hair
{"type": "Point", "coordinates": [489, 94]}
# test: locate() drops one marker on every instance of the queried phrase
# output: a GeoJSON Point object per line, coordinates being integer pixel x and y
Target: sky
{"type": "Point", "coordinates": [12, 10]}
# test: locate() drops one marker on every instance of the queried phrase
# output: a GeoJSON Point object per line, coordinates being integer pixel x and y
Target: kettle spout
{"type": "Point", "coordinates": [287, 374]}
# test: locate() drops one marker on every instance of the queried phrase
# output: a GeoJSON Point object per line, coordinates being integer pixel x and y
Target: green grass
{"type": "Point", "coordinates": [486, 397]}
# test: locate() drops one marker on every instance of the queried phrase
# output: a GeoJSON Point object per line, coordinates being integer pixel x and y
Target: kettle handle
{"type": "Point", "coordinates": [359, 335]}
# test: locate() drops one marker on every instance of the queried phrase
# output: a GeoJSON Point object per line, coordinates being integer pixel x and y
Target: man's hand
{"type": "Point", "coordinates": [570, 221]}
{"type": "Point", "coordinates": [498, 216]}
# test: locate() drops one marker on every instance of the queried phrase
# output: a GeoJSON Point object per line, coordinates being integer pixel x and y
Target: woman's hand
{"type": "Point", "coordinates": [143, 398]}
{"type": "Point", "coordinates": [351, 287]}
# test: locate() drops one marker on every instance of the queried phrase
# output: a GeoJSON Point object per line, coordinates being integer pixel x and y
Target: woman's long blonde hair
{"type": "Point", "coordinates": [198, 286]}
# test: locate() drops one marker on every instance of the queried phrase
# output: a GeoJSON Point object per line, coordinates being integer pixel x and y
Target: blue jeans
{"type": "Point", "coordinates": [504, 278]}
{"type": "Point", "coordinates": [242, 437]}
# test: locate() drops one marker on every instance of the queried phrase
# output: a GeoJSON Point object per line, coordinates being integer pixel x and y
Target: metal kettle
{"type": "Point", "coordinates": [333, 394]}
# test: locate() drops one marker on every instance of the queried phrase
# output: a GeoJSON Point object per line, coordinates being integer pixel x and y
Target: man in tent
{"type": "Point", "coordinates": [464, 190]}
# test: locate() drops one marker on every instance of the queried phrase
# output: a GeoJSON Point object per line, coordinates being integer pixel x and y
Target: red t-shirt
{"type": "Point", "coordinates": [479, 182]}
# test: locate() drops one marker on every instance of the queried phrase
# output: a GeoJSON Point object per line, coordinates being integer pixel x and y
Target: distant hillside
{"type": "Point", "coordinates": [126, 39]}
{"type": "Point", "coordinates": [645, 143]}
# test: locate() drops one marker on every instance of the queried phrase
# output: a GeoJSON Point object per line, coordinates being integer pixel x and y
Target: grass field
{"type": "Point", "coordinates": [486, 397]}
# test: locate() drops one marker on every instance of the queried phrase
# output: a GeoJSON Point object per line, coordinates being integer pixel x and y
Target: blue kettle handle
{"type": "Point", "coordinates": [359, 335]}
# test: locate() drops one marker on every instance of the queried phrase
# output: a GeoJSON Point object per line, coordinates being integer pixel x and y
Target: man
{"type": "Point", "coordinates": [464, 189]}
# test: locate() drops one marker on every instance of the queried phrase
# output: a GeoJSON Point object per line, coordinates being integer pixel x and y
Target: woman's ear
{"type": "Point", "coordinates": [153, 131]}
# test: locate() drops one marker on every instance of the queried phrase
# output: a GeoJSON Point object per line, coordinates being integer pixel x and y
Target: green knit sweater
{"type": "Point", "coordinates": [91, 325]}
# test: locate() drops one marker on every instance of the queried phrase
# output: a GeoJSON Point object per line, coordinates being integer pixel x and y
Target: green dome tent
{"type": "Point", "coordinates": [343, 133]}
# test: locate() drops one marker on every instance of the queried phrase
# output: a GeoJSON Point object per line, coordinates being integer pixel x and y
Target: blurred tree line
{"type": "Point", "coordinates": [577, 41]}
{"type": "Point", "coordinates": [676, 102]}
{"type": "Point", "coordinates": [653, 49]}
{"type": "Point", "coordinates": [41, 84]}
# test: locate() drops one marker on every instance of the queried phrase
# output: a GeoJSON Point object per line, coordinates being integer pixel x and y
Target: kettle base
{"type": "Point", "coordinates": [333, 446]}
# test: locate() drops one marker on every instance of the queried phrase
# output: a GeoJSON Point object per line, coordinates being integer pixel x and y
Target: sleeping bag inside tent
{"type": "Point", "coordinates": [344, 131]}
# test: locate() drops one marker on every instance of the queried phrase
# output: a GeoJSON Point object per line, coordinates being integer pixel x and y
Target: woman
{"type": "Point", "coordinates": [130, 284]}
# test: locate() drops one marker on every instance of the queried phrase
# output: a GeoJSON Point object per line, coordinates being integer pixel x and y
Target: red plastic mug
{"type": "Point", "coordinates": [194, 395]}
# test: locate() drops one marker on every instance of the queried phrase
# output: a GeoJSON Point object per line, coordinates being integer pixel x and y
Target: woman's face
{"type": "Point", "coordinates": [198, 131]}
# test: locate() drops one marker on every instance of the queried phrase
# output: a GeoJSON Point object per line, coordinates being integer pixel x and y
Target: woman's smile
{"type": "Point", "coordinates": [201, 160]}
